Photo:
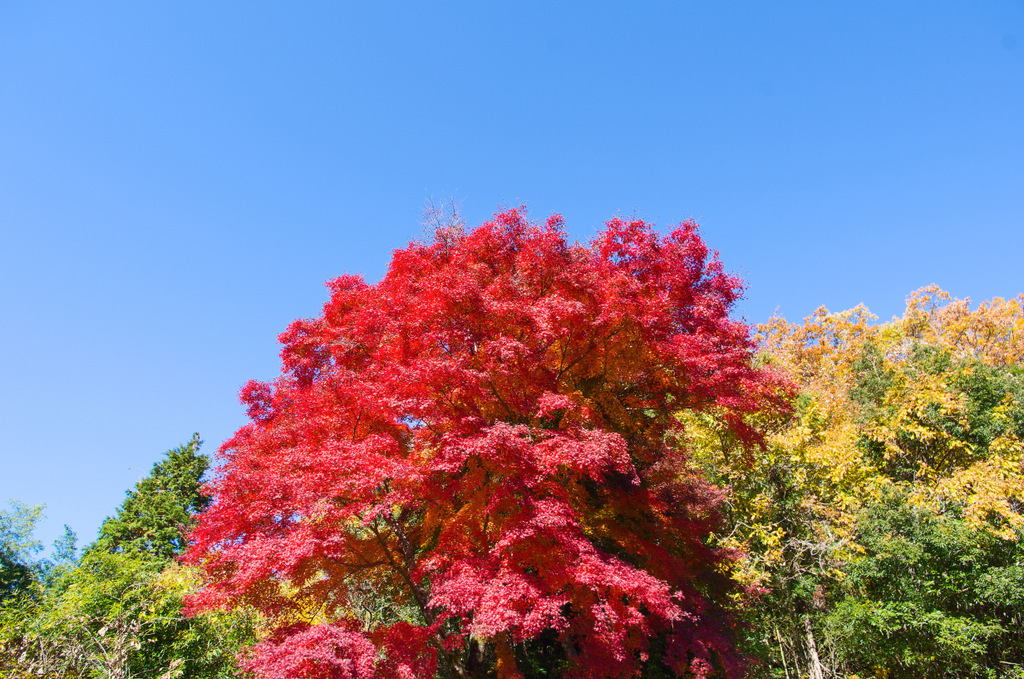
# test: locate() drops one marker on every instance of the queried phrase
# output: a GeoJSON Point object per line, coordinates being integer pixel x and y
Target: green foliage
{"type": "Point", "coordinates": [932, 596]}
{"type": "Point", "coordinates": [118, 611]}
{"type": "Point", "coordinates": [157, 513]}
{"type": "Point", "coordinates": [950, 428]}
{"type": "Point", "coordinates": [873, 379]}
{"type": "Point", "coordinates": [118, 615]}
{"type": "Point", "coordinates": [18, 568]}
{"type": "Point", "coordinates": [65, 549]}
{"type": "Point", "coordinates": [985, 388]}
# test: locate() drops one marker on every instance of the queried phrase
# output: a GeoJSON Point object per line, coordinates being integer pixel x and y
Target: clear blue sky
{"type": "Point", "coordinates": [177, 180]}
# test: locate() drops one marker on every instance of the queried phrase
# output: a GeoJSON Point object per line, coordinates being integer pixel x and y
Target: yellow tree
{"type": "Point", "coordinates": [927, 405]}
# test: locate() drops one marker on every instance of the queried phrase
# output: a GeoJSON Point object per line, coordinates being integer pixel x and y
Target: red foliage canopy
{"type": "Point", "coordinates": [468, 467]}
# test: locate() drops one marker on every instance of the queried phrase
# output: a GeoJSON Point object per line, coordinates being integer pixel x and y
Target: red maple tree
{"type": "Point", "coordinates": [468, 468]}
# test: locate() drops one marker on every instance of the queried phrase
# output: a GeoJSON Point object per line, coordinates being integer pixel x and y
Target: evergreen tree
{"type": "Point", "coordinates": [158, 512]}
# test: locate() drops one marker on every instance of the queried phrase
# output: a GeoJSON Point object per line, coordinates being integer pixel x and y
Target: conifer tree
{"type": "Point", "coordinates": [156, 514]}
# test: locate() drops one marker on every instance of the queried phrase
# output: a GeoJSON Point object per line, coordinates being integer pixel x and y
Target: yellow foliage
{"type": "Point", "coordinates": [840, 448]}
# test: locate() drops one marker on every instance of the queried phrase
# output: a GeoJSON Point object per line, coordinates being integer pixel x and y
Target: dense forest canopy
{"type": "Point", "coordinates": [883, 520]}
{"type": "Point", "coordinates": [519, 457]}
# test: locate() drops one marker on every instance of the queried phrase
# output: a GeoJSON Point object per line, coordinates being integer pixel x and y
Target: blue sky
{"type": "Point", "coordinates": [177, 180]}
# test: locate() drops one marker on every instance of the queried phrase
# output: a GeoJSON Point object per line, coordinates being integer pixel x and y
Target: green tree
{"type": "Point", "coordinates": [118, 611]}
{"type": "Point", "coordinates": [18, 566]}
{"type": "Point", "coordinates": [932, 596]}
{"type": "Point", "coordinates": [157, 513]}
{"type": "Point", "coordinates": [120, 615]}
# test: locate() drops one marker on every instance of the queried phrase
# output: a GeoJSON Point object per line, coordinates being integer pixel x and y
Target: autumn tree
{"type": "Point", "coordinates": [792, 504]}
{"type": "Point", "coordinates": [883, 519]}
{"type": "Point", "coordinates": [471, 467]}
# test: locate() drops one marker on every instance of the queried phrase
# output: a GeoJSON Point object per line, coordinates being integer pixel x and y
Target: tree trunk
{"type": "Point", "coordinates": [814, 671]}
